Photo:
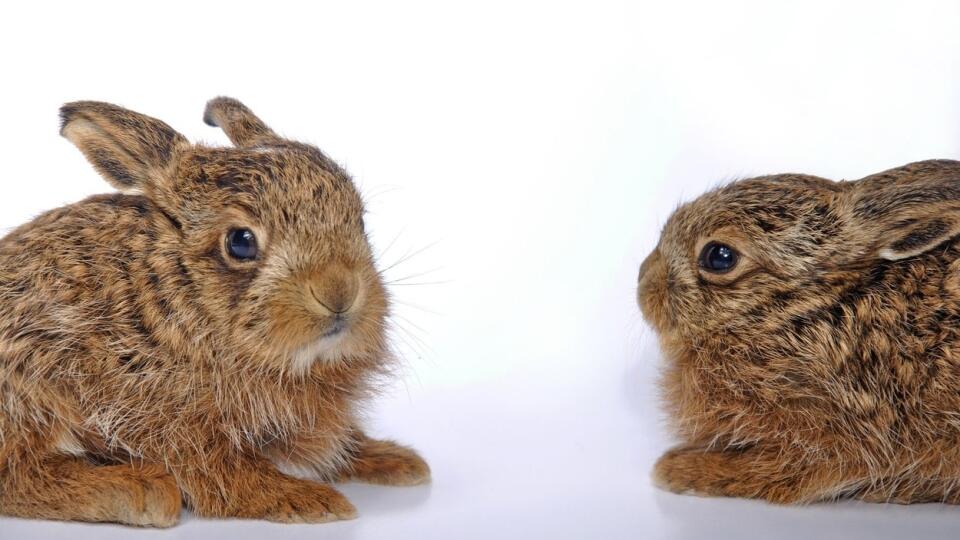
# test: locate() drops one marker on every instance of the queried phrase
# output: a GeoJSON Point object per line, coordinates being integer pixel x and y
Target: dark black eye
{"type": "Point", "coordinates": [718, 258]}
{"type": "Point", "coordinates": [242, 244]}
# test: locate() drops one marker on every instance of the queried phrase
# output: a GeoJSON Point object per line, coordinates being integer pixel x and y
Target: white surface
{"type": "Point", "coordinates": [536, 148]}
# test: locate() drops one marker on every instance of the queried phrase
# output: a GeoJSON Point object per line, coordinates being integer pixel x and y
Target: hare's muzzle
{"type": "Point", "coordinates": [334, 292]}
{"type": "Point", "coordinates": [650, 287]}
{"type": "Point", "coordinates": [647, 263]}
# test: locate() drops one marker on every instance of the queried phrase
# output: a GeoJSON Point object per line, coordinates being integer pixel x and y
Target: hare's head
{"type": "Point", "coordinates": [777, 246]}
{"type": "Point", "coordinates": [271, 231]}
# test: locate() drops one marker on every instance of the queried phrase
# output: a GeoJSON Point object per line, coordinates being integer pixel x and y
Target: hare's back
{"type": "Point", "coordinates": [64, 275]}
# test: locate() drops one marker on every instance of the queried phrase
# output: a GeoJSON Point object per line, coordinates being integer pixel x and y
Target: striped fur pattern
{"type": "Point", "coordinates": [826, 362]}
{"type": "Point", "coordinates": [142, 365]}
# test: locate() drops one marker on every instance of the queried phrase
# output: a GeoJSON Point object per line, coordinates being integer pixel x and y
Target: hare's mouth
{"type": "Point", "coordinates": [336, 327]}
{"type": "Point", "coordinates": [327, 347]}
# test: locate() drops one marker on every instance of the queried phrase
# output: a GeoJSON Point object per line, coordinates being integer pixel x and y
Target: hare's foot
{"type": "Point", "coordinates": [71, 488]}
{"type": "Point", "coordinates": [911, 491]}
{"type": "Point", "coordinates": [745, 473]}
{"type": "Point", "coordinates": [386, 463]}
{"type": "Point", "coordinates": [253, 488]}
{"type": "Point", "coordinates": [304, 501]}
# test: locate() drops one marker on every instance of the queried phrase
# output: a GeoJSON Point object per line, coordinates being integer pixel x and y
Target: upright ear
{"type": "Point", "coordinates": [910, 210]}
{"type": "Point", "coordinates": [127, 148]}
{"type": "Point", "coordinates": [238, 122]}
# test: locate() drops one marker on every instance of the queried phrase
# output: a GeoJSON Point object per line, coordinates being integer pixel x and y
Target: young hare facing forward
{"type": "Point", "coordinates": [206, 335]}
{"type": "Point", "coordinates": [812, 336]}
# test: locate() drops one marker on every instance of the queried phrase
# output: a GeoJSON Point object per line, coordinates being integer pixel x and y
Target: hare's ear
{"type": "Point", "coordinates": [907, 211]}
{"type": "Point", "coordinates": [127, 148]}
{"type": "Point", "coordinates": [238, 122]}
{"type": "Point", "coordinates": [917, 235]}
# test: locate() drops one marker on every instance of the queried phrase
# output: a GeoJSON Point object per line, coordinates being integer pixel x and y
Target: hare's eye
{"type": "Point", "coordinates": [242, 244]}
{"type": "Point", "coordinates": [718, 258]}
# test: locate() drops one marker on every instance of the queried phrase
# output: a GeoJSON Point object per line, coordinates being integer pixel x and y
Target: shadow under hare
{"type": "Point", "coordinates": [811, 331]}
{"type": "Point", "coordinates": [206, 335]}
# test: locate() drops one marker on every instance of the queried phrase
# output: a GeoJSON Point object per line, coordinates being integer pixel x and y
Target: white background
{"type": "Point", "coordinates": [525, 154]}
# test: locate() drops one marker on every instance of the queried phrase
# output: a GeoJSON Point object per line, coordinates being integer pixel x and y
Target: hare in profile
{"type": "Point", "coordinates": [811, 331]}
{"type": "Point", "coordinates": [206, 335]}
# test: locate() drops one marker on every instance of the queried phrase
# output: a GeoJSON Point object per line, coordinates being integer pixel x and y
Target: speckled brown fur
{"type": "Point", "coordinates": [140, 363]}
{"type": "Point", "coordinates": [827, 362]}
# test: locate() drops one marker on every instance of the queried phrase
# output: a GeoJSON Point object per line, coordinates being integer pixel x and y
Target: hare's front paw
{"type": "Point", "coordinates": [303, 501]}
{"type": "Point", "coordinates": [746, 472]}
{"type": "Point", "coordinates": [146, 496]}
{"type": "Point", "coordinates": [679, 471]}
{"type": "Point", "coordinates": [387, 463]}
{"type": "Point", "coordinates": [697, 471]}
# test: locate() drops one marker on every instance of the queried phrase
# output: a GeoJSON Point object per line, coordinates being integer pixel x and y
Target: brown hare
{"type": "Point", "coordinates": [206, 335]}
{"type": "Point", "coordinates": [811, 331]}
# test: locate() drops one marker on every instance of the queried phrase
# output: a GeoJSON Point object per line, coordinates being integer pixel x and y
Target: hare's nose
{"type": "Point", "coordinates": [336, 289]}
{"type": "Point", "coordinates": [647, 263]}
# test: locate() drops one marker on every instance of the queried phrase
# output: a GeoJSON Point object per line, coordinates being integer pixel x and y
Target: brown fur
{"type": "Point", "coordinates": [826, 363]}
{"type": "Point", "coordinates": [140, 363]}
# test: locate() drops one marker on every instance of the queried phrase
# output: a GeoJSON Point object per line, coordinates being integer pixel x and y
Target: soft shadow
{"type": "Point", "coordinates": [372, 500]}
{"type": "Point", "coordinates": [693, 517]}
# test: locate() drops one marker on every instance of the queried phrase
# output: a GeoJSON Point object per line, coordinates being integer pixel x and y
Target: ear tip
{"type": "Point", "coordinates": [208, 117]}
{"type": "Point", "coordinates": [67, 113]}
{"type": "Point", "coordinates": [216, 106]}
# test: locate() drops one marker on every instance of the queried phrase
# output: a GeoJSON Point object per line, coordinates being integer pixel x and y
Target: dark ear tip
{"type": "Point", "coordinates": [65, 116]}
{"type": "Point", "coordinates": [217, 106]}
{"type": "Point", "coordinates": [208, 117]}
{"type": "Point", "coordinates": [70, 111]}
{"type": "Point", "coordinates": [67, 112]}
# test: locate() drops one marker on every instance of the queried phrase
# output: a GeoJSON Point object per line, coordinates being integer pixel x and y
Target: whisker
{"type": "Point", "coordinates": [415, 275]}
{"type": "Point", "coordinates": [391, 244]}
{"type": "Point", "coordinates": [410, 333]}
{"type": "Point", "coordinates": [416, 306]}
{"type": "Point", "coordinates": [406, 257]}
{"type": "Point", "coordinates": [418, 347]}
{"type": "Point", "coordinates": [380, 192]}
